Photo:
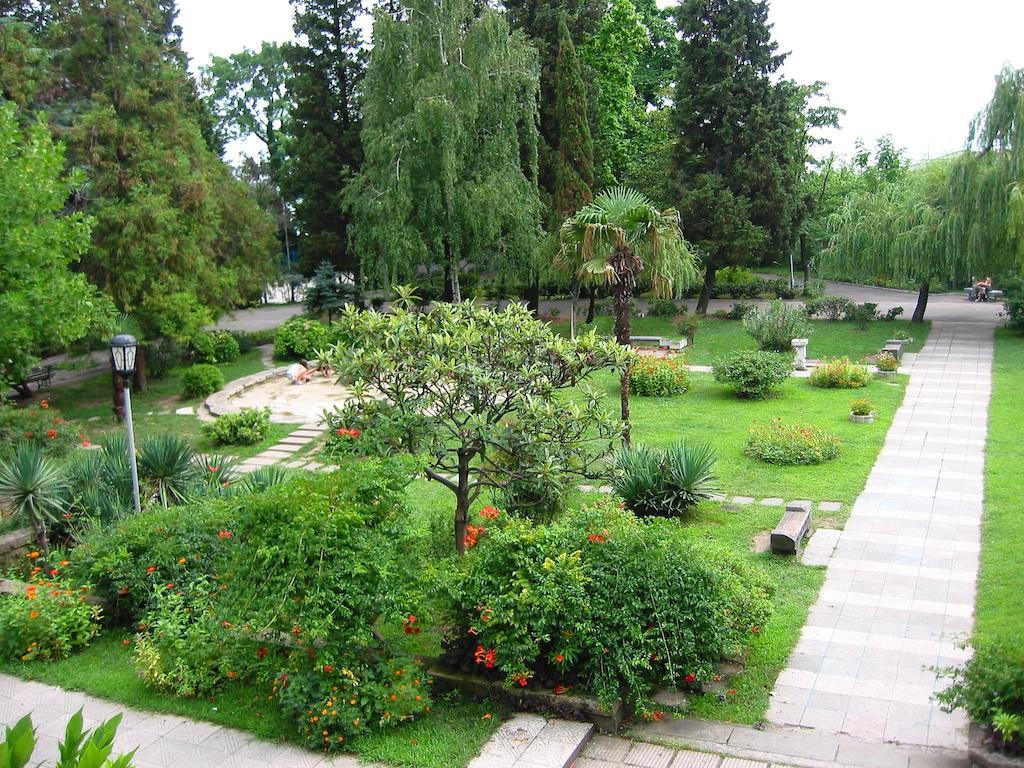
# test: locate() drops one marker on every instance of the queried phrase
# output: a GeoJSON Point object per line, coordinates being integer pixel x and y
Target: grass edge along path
{"type": "Point", "coordinates": [450, 736]}
{"type": "Point", "coordinates": [999, 609]}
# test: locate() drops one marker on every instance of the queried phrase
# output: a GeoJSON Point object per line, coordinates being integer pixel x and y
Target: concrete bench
{"type": "Point", "coordinates": [795, 525]}
{"type": "Point", "coordinates": [895, 348]}
{"type": "Point", "coordinates": [658, 341]}
{"type": "Point", "coordinates": [991, 294]}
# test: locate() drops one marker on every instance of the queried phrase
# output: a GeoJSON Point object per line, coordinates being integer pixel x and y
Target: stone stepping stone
{"type": "Point", "coordinates": [531, 741]}
{"type": "Point", "coordinates": [293, 440]}
{"type": "Point", "coordinates": [187, 410]}
{"type": "Point", "coordinates": [273, 455]}
{"type": "Point", "coordinates": [742, 500]}
{"type": "Point", "coordinates": [829, 506]}
{"type": "Point", "coordinates": [772, 502]}
{"type": "Point", "coordinates": [284, 447]}
{"type": "Point", "coordinates": [262, 460]}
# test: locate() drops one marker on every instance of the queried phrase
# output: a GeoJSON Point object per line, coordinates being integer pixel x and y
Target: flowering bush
{"type": "Point", "coordinates": [658, 377]}
{"type": "Point", "coordinates": [214, 347]}
{"type": "Point", "coordinates": [202, 380]}
{"type": "Point", "coordinates": [753, 373]}
{"type": "Point", "coordinates": [887, 362]}
{"type": "Point", "coordinates": [39, 424]}
{"type": "Point", "coordinates": [789, 444]}
{"type": "Point", "coordinates": [862, 407]}
{"type": "Point", "coordinates": [601, 600]}
{"type": "Point", "coordinates": [247, 427]}
{"type": "Point", "coordinates": [49, 620]}
{"type": "Point", "coordinates": [840, 373]}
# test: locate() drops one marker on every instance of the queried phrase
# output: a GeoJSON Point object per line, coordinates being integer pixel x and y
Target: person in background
{"type": "Point", "coordinates": [981, 289]}
{"type": "Point", "coordinates": [297, 373]}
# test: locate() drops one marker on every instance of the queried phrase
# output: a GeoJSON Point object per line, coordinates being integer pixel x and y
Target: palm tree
{"type": "Point", "coordinates": [617, 239]}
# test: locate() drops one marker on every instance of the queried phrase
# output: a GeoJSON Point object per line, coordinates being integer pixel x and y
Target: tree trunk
{"type": "Point", "coordinates": [922, 302]}
{"type": "Point", "coordinates": [705, 290]}
{"type": "Point", "coordinates": [118, 397]}
{"type": "Point", "coordinates": [590, 306]}
{"type": "Point", "coordinates": [462, 505]}
{"type": "Point", "coordinates": [804, 261]}
{"type": "Point", "coordinates": [446, 292]}
{"type": "Point", "coordinates": [451, 275]}
{"type": "Point", "coordinates": [574, 291]}
{"type": "Point", "coordinates": [139, 380]}
{"type": "Point", "coordinates": [39, 526]}
{"type": "Point", "coordinates": [623, 293]}
{"type": "Point", "coordinates": [533, 295]}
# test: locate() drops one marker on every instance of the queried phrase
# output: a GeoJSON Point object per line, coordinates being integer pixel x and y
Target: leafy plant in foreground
{"type": "Point", "coordinates": [79, 748]}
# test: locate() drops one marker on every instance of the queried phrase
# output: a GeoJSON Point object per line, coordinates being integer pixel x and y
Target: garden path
{"type": "Point", "coordinates": [161, 740]}
{"type": "Point", "coordinates": [899, 591]}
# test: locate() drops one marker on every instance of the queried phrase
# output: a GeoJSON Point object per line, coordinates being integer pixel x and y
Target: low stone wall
{"type": "Point", "coordinates": [219, 402]}
{"type": "Point", "coordinates": [14, 546]}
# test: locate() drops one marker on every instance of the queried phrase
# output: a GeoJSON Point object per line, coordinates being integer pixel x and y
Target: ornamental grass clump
{"type": "Point", "coordinates": [600, 601]}
{"type": "Point", "coordinates": [840, 373]}
{"type": "Point", "coordinates": [658, 377]}
{"type": "Point", "coordinates": [791, 444]}
{"type": "Point", "coordinates": [775, 327]}
{"type": "Point", "coordinates": [665, 483]}
{"type": "Point", "coordinates": [752, 373]}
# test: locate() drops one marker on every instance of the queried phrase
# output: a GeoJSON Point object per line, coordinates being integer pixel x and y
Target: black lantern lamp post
{"type": "Point", "coordinates": [123, 349]}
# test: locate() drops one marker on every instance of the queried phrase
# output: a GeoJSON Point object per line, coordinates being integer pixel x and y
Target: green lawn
{"type": "Point", "coordinates": [452, 734]}
{"type": "Point", "coordinates": [1000, 610]}
{"type": "Point", "coordinates": [715, 336]}
{"type": "Point", "coordinates": [711, 413]}
{"type": "Point", "coordinates": [153, 409]}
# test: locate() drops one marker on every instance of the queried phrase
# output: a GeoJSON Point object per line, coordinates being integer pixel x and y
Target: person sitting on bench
{"type": "Point", "coordinates": [981, 289]}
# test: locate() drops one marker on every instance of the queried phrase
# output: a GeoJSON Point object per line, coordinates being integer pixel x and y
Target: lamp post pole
{"type": "Point", "coordinates": [123, 350]}
{"type": "Point", "coordinates": [131, 446]}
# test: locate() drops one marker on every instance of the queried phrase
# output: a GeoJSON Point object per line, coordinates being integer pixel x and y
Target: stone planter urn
{"type": "Point", "coordinates": [857, 418]}
{"type": "Point", "coordinates": [800, 354]}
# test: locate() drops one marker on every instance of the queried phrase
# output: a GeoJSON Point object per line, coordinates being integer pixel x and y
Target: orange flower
{"type": "Point", "coordinates": [33, 614]}
{"type": "Point", "coordinates": [33, 555]}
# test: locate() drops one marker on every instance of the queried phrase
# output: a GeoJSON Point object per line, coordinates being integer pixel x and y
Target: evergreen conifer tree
{"type": "Point", "coordinates": [574, 163]}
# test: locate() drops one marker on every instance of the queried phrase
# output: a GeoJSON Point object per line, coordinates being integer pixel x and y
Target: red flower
{"type": "Point", "coordinates": [261, 652]}
{"type": "Point", "coordinates": [151, 569]}
{"type": "Point", "coordinates": [731, 692]}
{"type": "Point", "coordinates": [560, 689]}
{"type": "Point", "coordinates": [225, 534]}
{"type": "Point", "coordinates": [52, 434]}
{"type": "Point", "coordinates": [410, 625]}
{"type": "Point", "coordinates": [595, 538]}
{"type": "Point", "coordinates": [54, 572]}
{"type": "Point", "coordinates": [490, 513]}
{"type": "Point", "coordinates": [473, 534]}
{"type": "Point", "coordinates": [559, 659]}
{"type": "Point", "coordinates": [86, 443]}
{"type": "Point", "coordinates": [690, 678]}
{"type": "Point", "coordinates": [328, 668]}
{"type": "Point", "coordinates": [521, 679]}
{"type": "Point", "coordinates": [485, 656]}
{"type": "Point", "coordinates": [212, 467]}
{"type": "Point", "coordinates": [756, 630]}
{"type": "Point", "coordinates": [44, 404]}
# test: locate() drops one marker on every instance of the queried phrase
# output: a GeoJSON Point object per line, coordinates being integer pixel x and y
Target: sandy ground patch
{"type": "Point", "coordinates": [292, 402]}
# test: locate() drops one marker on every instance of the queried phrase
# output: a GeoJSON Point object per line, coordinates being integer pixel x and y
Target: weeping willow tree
{"type": "Point", "coordinates": [946, 219]}
{"type": "Point", "coordinates": [449, 125]}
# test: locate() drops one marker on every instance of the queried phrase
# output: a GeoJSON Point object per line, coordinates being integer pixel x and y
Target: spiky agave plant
{"type": "Point", "coordinates": [665, 483]}
{"type": "Point", "coordinates": [217, 470]}
{"type": "Point", "coordinates": [167, 469]}
{"type": "Point", "coordinates": [33, 486]}
{"type": "Point", "coordinates": [261, 480]}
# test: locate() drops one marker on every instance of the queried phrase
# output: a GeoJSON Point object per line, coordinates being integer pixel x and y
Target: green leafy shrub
{"type": "Point", "coordinates": [214, 347]}
{"type": "Point", "coordinates": [989, 687]}
{"type": "Point", "coordinates": [840, 373]}
{"type": "Point", "coordinates": [161, 356]}
{"type": "Point", "coordinates": [887, 362]}
{"type": "Point", "coordinates": [687, 326]}
{"type": "Point", "coordinates": [601, 600]}
{"type": "Point", "coordinates": [79, 748]}
{"type": "Point", "coordinates": [247, 427]}
{"type": "Point", "coordinates": [202, 380]}
{"type": "Point", "coordinates": [49, 620]}
{"type": "Point", "coordinates": [739, 310]}
{"type": "Point", "coordinates": [665, 483]}
{"type": "Point", "coordinates": [775, 327]}
{"type": "Point", "coordinates": [833, 308]}
{"type": "Point", "coordinates": [301, 338]}
{"type": "Point", "coordinates": [1013, 310]}
{"type": "Point", "coordinates": [248, 340]}
{"type": "Point", "coordinates": [313, 621]}
{"type": "Point", "coordinates": [38, 424]}
{"type": "Point", "coordinates": [658, 377]}
{"type": "Point", "coordinates": [791, 444]}
{"type": "Point", "coordinates": [814, 289]}
{"type": "Point", "coordinates": [892, 313]}
{"type": "Point", "coordinates": [862, 407]}
{"type": "Point", "coordinates": [663, 308]}
{"type": "Point", "coordinates": [179, 649]}
{"type": "Point", "coordinates": [862, 314]}
{"type": "Point", "coordinates": [753, 373]}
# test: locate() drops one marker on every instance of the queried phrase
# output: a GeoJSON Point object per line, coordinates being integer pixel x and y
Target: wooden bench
{"type": "Point", "coordinates": [991, 293]}
{"type": "Point", "coordinates": [41, 377]}
{"type": "Point", "coordinates": [788, 536]}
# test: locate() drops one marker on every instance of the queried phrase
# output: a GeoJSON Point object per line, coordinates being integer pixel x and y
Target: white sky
{"type": "Point", "coordinates": [916, 69]}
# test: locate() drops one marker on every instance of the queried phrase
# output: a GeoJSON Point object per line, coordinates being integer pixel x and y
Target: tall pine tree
{"type": "Point", "coordinates": [449, 123]}
{"type": "Point", "coordinates": [324, 152]}
{"type": "Point", "coordinates": [736, 162]}
{"type": "Point", "coordinates": [174, 235]}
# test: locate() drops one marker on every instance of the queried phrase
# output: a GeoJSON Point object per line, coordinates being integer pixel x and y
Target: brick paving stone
{"type": "Point", "coordinates": [688, 759]}
{"type": "Point", "coordinates": [649, 756]}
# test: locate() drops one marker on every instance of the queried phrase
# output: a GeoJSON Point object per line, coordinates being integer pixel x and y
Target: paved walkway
{"type": "Point", "coordinates": [161, 740]}
{"type": "Point", "coordinates": [899, 592]}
